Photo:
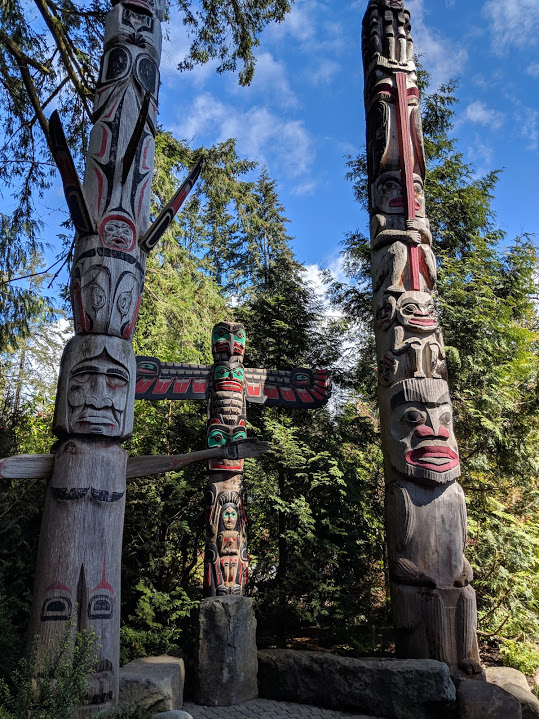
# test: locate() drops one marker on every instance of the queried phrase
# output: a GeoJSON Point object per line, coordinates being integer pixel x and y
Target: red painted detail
{"type": "Point", "coordinates": [271, 391]}
{"type": "Point", "coordinates": [177, 201]}
{"type": "Point", "coordinates": [145, 155]}
{"type": "Point", "coordinates": [99, 176]}
{"type": "Point", "coordinates": [141, 195]}
{"type": "Point", "coordinates": [414, 266]}
{"type": "Point", "coordinates": [66, 169]}
{"type": "Point", "coordinates": [112, 109]}
{"type": "Point", "coordinates": [181, 386]}
{"type": "Point", "coordinates": [419, 458]}
{"type": "Point", "coordinates": [161, 386]}
{"type": "Point", "coordinates": [143, 385]}
{"type": "Point", "coordinates": [104, 141]}
{"type": "Point", "coordinates": [425, 431]}
{"type": "Point", "coordinates": [425, 322]}
{"type": "Point", "coordinates": [129, 329]}
{"type": "Point", "coordinates": [317, 394]}
{"type": "Point", "coordinates": [253, 390]}
{"type": "Point", "coordinates": [425, 271]}
{"type": "Point", "coordinates": [84, 320]}
{"type": "Point", "coordinates": [104, 584]}
{"type": "Point", "coordinates": [385, 89]}
{"type": "Point", "coordinates": [56, 584]}
{"type": "Point", "coordinates": [288, 394]}
{"type": "Point", "coordinates": [200, 386]}
{"type": "Point", "coordinates": [127, 220]}
{"type": "Point", "coordinates": [304, 395]}
{"type": "Point", "coordinates": [405, 144]}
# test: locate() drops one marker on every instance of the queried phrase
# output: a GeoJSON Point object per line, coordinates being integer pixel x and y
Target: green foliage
{"type": "Point", "coordinates": [523, 656]}
{"type": "Point", "coordinates": [53, 685]}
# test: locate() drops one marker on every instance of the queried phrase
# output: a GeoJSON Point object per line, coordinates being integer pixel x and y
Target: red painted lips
{"type": "Point", "coordinates": [423, 321]}
{"type": "Point", "coordinates": [229, 386]}
{"type": "Point", "coordinates": [437, 459]}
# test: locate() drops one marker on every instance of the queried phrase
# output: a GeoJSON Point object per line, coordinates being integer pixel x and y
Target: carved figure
{"type": "Point", "coordinates": [416, 335]}
{"type": "Point", "coordinates": [434, 608]}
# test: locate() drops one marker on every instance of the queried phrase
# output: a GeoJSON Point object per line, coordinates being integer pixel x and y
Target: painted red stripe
{"type": "Point", "coordinates": [413, 258]}
{"type": "Point", "coordinates": [405, 145]}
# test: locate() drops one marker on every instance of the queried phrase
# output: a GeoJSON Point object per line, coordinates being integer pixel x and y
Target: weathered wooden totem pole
{"type": "Point", "coordinates": [78, 574]}
{"type": "Point", "coordinates": [227, 385]}
{"type": "Point", "coordinates": [434, 607]}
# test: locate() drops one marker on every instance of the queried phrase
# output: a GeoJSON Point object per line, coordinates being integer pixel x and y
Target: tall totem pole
{"type": "Point", "coordinates": [434, 606]}
{"type": "Point", "coordinates": [78, 574]}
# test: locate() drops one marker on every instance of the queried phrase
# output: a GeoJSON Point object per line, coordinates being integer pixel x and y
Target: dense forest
{"type": "Point", "coordinates": [315, 501]}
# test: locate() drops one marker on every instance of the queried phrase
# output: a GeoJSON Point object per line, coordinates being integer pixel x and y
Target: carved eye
{"type": "Point", "coordinates": [446, 418]}
{"type": "Point", "coordinates": [116, 382]}
{"type": "Point", "coordinates": [413, 416]}
{"type": "Point", "coordinates": [240, 334]}
{"type": "Point", "coordinates": [221, 332]}
{"type": "Point", "coordinates": [410, 309]}
{"type": "Point", "coordinates": [418, 188]}
{"type": "Point", "coordinates": [242, 434]}
{"type": "Point", "coordinates": [82, 378]}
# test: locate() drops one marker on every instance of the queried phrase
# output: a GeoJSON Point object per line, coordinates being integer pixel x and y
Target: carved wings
{"type": "Point", "coordinates": [299, 387]}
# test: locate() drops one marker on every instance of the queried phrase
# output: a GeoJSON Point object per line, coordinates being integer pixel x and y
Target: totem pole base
{"type": "Point", "coordinates": [226, 660]}
{"type": "Point", "coordinates": [438, 624]}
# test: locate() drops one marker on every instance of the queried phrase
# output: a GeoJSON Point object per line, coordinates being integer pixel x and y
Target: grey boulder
{"type": "Point", "coordinates": [172, 715]}
{"type": "Point", "coordinates": [481, 700]}
{"type": "Point", "coordinates": [153, 683]}
{"type": "Point", "coordinates": [515, 683]}
{"type": "Point", "coordinates": [389, 688]}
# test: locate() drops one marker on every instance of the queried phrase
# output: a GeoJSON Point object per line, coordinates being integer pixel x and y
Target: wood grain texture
{"type": "Point", "coordinates": [433, 603]}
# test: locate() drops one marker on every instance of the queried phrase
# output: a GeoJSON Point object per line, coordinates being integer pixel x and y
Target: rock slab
{"type": "Point", "coordinates": [481, 700]}
{"type": "Point", "coordinates": [515, 683]}
{"type": "Point", "coordinates": [389, 688]}
{"type": "Point", "coordinates": [226, 661]}
{"type": "Point", "coordinates": [172, 715]}
{"type": "Point", "coordinates": [153, 683]}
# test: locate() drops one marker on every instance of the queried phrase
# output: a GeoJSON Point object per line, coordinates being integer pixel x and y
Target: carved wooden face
{"type": "Point", "coordinates": [228, 340]}
{"type": "Point", "coordinates": [229, 516]}
{"type": "Point", "coordinates": [228, 377]}
{"type": "Point", "coordinates": [388, 195]}
{"type": "Point", "coordinates": [417, 312]}
{"type": "Point", "coordinates": [422, 443]}
{"type": "Point", "coordinates": [96, 387]}
{"type": "Point", "coordinates": [219, 435]}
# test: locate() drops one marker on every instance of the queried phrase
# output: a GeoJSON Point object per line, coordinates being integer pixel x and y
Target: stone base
{"type": "Point", "coordinates": [226, 660]}
{"type": "Point", "coordinates": [389, 688]}
{"type": "Point", "coordinates": [153, 683]}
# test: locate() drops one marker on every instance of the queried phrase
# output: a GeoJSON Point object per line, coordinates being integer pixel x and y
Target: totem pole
{"type": "Point", "coordinates": [434, 606]}
{"type": "Point", "coordinates": [78, 574]}
{"type": "Point", "coordinates": [228, 385]}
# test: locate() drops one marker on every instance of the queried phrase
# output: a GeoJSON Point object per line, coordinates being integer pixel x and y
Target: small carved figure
{"type": "Point", "coordinates": [398, 243]}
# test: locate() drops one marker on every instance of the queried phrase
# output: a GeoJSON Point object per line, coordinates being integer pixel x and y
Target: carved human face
{"type": "Point", "coordinates": [417, 312]}
{"type": "Point", "coordinates": [395, 4]}
{"type": "Point", "coordinates": [97, 396]}
{"type": "Point", "coordinates": [228, 340]}
{"type": "Point", "coordinates": [96, 387]}
{"type": "Point", "coordinates": [385, 313]}
{"type": "Point", "coordinates": [388, 195]}
{"type": "Point", "coordinates": [220, 435]}
{"type": "Point", "coordinates": [230, 516]}
{"type": "Point", "coordinates": [228, 377]}
{"type": "Point", "coordinates": [118, 233]}
{"type": "Point", "coordinates": [422, 443]}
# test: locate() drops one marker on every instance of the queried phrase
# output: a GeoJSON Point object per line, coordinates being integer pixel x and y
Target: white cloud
{"type": "Point", "coordinates": [324, 72]}
{"type": "Point", "coordinates": [270, 80]}
{"type": "Point", "coordinates": [443, 58]}
{"type": "Point", "coordinates": [528, 121]}
{"type": "Point", "coordinates": [478, 113]}
{"type": "Point", "coordinates": [533, 69]}
{"type": "Point", "coordinates": [261, 135]}
{"type": "Point", "coordinates": [480, 153]}
{"type": "Point", "coordinates": [512, 22]}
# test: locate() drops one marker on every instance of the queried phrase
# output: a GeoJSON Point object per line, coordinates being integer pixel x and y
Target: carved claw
{"type": "Point", "coordinates": [243, 448]}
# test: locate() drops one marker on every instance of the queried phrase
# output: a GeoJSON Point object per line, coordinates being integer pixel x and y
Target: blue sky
{"type": "Point", "coordinates": [304, 110]}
